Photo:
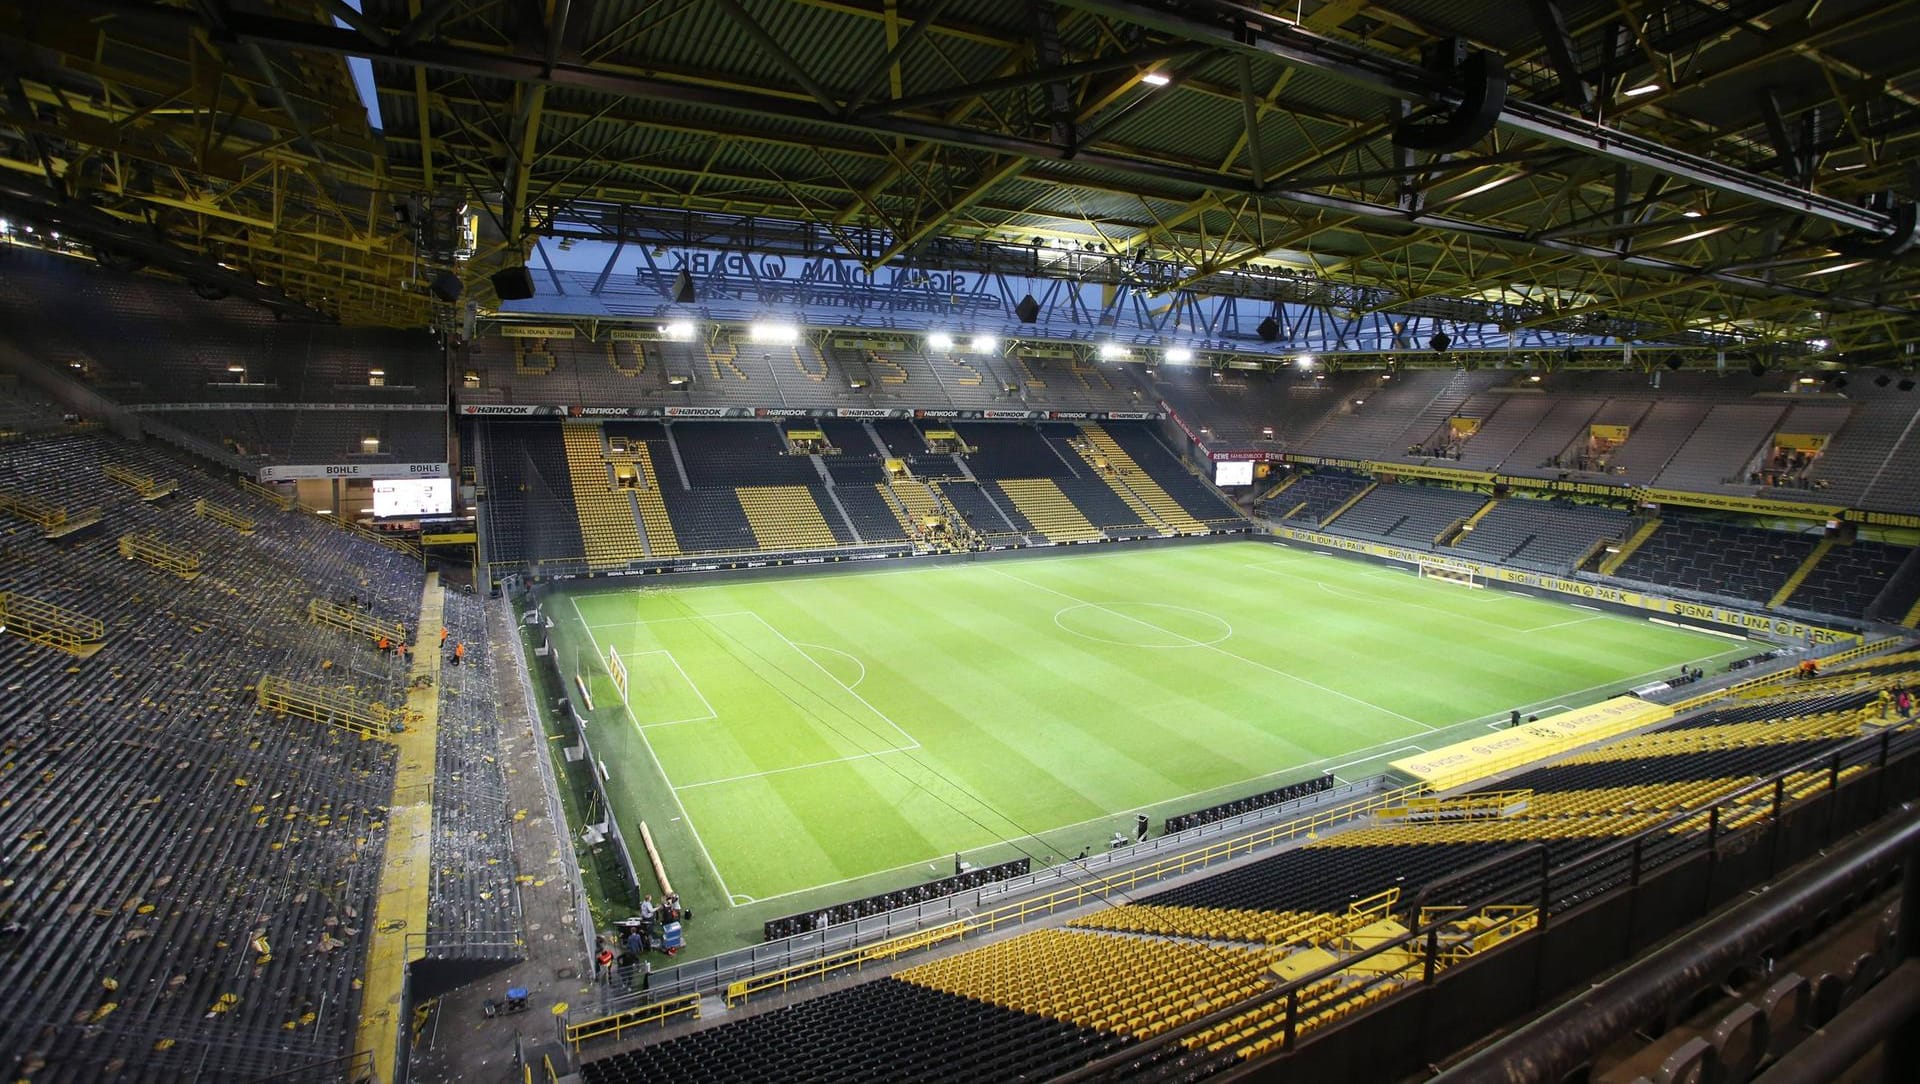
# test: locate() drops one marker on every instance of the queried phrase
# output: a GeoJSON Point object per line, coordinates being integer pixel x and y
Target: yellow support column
{"type": "Point", "coordinates": [406, 868]}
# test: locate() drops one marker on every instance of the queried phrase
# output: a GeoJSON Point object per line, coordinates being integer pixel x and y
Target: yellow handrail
{"type": "Point", "coordinates": [206, 509]}
{"type": "Point", "coordinates": [49, 625]}
{"type": "Point", "coordinates": [613, 1024]}
{"type": "Point", "coordinates": [266, 493]}
{"type": "Point", "coordinates": [160, 554]}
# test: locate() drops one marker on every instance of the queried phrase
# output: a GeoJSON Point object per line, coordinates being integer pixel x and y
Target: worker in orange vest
{"type": "Point", "coordinates": [385, 645]}
{"type": "Point", "coordinates": [459, 652]}
{"type": "Point", "coordinates": [443, 636]}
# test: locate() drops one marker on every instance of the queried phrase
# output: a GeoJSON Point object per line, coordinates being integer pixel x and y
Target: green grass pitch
{"type": "Point", "coordinates": [806, 739]}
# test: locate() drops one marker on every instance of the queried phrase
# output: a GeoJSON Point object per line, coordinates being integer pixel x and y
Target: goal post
{"type": "Point", "coordinates": [618, 671]}
{"type": "Point", "coordinates": [1465, 577]}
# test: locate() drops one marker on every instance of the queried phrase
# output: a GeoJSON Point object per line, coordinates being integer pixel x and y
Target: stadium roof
{"type": "Point", "coordinates": [1738, 169]}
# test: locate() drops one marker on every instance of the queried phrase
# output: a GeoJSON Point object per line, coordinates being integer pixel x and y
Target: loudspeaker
{"type": "Point", "coordinates": [1839, 382]}
{"type": "Point", "coordinates": [1440, 342]}
{"type": "Point", "coordinates": [445, 287]}
{"type": "Point", "coordinates": [1882, 380]}
{"type": "Point", "coordinates": [1675, 362]}
{"type": "Point", "coordinates": [1268, 330]}
{"type": "Point", "coordinates": [1483, 94]}
{"type": "Point", "coordinates": [1757, 367]}
{"type": "Point", "coordinates": [1028, 310]}
{"type": "Point", "coordinates": [513, 284]}
{"type": "Point", "coordinates": [683, 289]}
{"type": "Point", "coordinates": [1905, 385]}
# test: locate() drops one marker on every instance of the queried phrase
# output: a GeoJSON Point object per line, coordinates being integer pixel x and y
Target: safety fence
{"type": "Point", "coordinates": [148, 487]}
{"type": "Point", "coordinates": [226, 517]}
{"type": "Point", "coordinates": [332, 706]}
{"type": "Point", "coordinates": [153, 550]}
{"type": "Point", "coordinates": [612, 1024]}
{"type": "Point", "coordinates": [49, 625]}
{"type": "Point", "coordinates": [53, 520]}
{"type": "Point", "coordinates": [358, 622]}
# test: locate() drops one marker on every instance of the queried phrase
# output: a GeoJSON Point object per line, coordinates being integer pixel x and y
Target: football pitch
{"type": "Point", "coordinates": [797, 740]}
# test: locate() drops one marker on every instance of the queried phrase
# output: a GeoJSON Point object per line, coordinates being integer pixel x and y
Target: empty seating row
{"type": "Point", "coordinates": [1747, 563]}
{"type": "Point", "coordinates": [1547, 533]}
{"type": "Point", "coordinates": [1413, 514]}
{"type": "Point", "coordinates": [194, 876]}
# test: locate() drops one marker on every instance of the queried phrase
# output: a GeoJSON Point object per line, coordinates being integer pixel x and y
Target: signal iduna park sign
{"type": "Point", "coordinates": [293, 472]}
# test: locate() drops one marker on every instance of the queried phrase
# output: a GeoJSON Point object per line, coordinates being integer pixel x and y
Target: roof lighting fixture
{"type": "Point", "coordinates": [773, 333]}
{"type": "Point", "coordinates": [1831, 270]}
{"type": "Point", "coordinates": [1689, 213]}
{"type": "Point", "coordinates": [1156, 79]}
{"type": "Point", "coordinates": [1808, 380]}
{"type": "Point", "coordinates": [1535, 378]}
{"type": "Point", "coordinates": [376, 372]}
{"type": "Point", "coordinates": [1643, 90]}
{"type": "Point", "coordinates": [985, 344]}
{"type": "Point", "coordinates": [1305, 361]}
{"type": "Point", "coordinates": [236, 368]}
{"type": "Point", "coordinates": [1488, 187]}
{"type": "Point", "coordinates": [1112, 351]}
{"type": "Point", "coordinates": [1179, 355]}
{"type": "Point", "coordinates": [369, 444]}
{"type": "Point", "coordinates": [940, 341]}
{"type": "Point", "coordinates": [679, 330]}
{"type": "Point", "coordinates": [1848, 168]}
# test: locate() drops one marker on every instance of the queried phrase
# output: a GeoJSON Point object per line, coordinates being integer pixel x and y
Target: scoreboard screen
{"type": "Point", "coordinates": [1233, 474]}
{"type": "Point", "coordinates": [412, 497]}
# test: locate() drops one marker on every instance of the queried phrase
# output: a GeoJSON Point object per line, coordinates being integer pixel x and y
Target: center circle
{"type": "Point", "coordinates": [1142, 624]}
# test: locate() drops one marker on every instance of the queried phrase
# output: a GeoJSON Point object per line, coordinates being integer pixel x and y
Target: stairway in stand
{"type": "Point", "coordinates": [1139, 488]}
{"type": "Point", "coordinates": [607, 525]}
{"type": "Point", "coordinates": [653, 508]}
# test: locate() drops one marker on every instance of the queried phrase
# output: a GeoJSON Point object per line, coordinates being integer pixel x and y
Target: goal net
{"type": "Point", "coordinates": [1463, 577]}
{"type": "Point", "coordinates": [618, 670]}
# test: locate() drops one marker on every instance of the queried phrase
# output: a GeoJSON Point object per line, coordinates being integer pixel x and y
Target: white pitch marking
{"type": "Point", "coordinates": [789, 768]}
{"type": "Point", "coordinates": [655, 757]}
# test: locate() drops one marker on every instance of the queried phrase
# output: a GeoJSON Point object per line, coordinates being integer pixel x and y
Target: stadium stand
{"type": "Point", "coordinates": [1564, 424]}
{"type": "Point", "coordinates": [1511, 423]}
{"type": "Point", "coordinates": [320, 436]}
{"type": "Point", "coordinates": [1414, 514]}
{"type": "Point", "coordinates": [1656, 436]}
{"type": "Point", "coordinates": [1550, 534]}
{"type": "Point", "coordinates": [139, 339]}
{"type": "Point", "coordinates": [1319, 494]}
{"type": "Point", "coordinates": [1384, 423]}
{"type": "Point", "coordinates": [527, 507]}
{"type": "Point", "coordinates": [1747, 563]}
{"type": "Point", "coordinates": [1237, 409]}
{"type": "Point", "coordinates": [1850, 578]}
{"type": "Point", "coordinates": [244, 948]}
{"type": "Point", "coordinates": [1175, 494]}
{"type": "Point", "coordinates": [1720, 451]}
{"type": "Point", "coordinates": [885, 1030]}
{"type": "Point", "coordinates": [1017, 451]}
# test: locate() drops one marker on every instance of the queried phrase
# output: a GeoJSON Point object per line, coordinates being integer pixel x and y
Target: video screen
{"type": "Point", "coordinates": [1233, 474]}
{"type": "Point", "coordinates": [412, 497]}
